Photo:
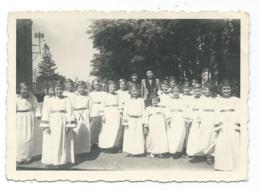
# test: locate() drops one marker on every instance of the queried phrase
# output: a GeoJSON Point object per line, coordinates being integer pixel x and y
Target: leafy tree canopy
{"type": "Point", "coordinates": [180, 48]}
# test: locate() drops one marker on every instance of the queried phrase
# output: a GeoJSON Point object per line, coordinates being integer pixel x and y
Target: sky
{"type": "Point", "coordinates": [69, 44]}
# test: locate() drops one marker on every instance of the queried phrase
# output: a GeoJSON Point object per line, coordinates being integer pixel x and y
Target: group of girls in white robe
{"type": "Point", "coordinates": [196, 125]}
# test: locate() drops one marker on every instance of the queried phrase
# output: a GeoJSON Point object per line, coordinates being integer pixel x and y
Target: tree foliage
{"type": "Point", "coordinates": [181, 47]}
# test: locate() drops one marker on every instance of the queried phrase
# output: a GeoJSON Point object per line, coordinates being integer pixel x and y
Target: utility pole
{"type": "Point", "coordinates": [40, 36]}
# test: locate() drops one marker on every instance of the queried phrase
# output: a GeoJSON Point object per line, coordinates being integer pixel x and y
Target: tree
{"type": "Point", "coordinates": [179, 47]}
{"type": "Point", "coordinates": [47, 68]}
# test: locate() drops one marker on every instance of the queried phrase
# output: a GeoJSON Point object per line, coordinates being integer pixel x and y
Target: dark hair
{"type": "Point", "coordinates": [59, 84]}
{"type": "Point", "coordinates": [81, 83]}
{"type": "Point", "coordinates": [20, 86]}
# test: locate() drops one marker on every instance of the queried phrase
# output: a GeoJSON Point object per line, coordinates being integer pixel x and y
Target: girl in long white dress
{"type": "Point", "coordinates": [123, 95]}
{"type": "Point", "coordinates": [203, 121]}
{"type": "Point", "coordinates": [27, 110]}
{"type": "Point", "coordinates": [81, 107]}
{"type": "Point", "coordinates": [134, 140]}
{"type": "Point", "coordinates": [97, 101]}
{"type": "Point", "coordinates": [155, 121]}
{"type": "Point", "coordinates": [193, 144]}
{"type": "Point", "coordinates": [227, 147]}
{"type": "Point", "coordinates": [186, 100]}
{"type": "Point", "coordinates": [176, 128]}
{"type": "Point", "coordinates": [59, 116]}
{"type": "Point", "coordinates": [109, 134]}
{"type": "Point", "coordinates": [46, 134]}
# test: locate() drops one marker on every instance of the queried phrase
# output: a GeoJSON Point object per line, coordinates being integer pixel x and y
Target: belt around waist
{"type": "Point", "coordinates": [111, 105]}
{"type": "Point", "coordinates": [209, 110]}
{"type": "Point", "coordinates": [134, 116]}
{"type": "Point", "coordinates": [227, 110]}
{"type": "Point", "coordinates": [176, 110]}
{"type": "Point", "coordinates": [97, 102]}
{"type": "Point", "coordinates": [58, 111]}
{"type": "Point", "coordinates": [79, 109]}
{"type": "Point", "coordinates": [23, 111]}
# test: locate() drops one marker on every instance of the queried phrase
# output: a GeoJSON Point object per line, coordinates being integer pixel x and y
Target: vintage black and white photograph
{"type": "Point", "coordinates": [127, 96]}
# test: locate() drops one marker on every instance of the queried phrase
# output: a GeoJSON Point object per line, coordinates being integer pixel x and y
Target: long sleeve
{"type": "Point", "coordinates": [36, 107]}
{"type": "Point", "coordinates": [146, 117]}
{"type": "Point", "coordinates": [45, 113]}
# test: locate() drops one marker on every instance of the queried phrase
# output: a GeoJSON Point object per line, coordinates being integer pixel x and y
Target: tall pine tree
{"type": "Point", "coordinates": [47, 69]}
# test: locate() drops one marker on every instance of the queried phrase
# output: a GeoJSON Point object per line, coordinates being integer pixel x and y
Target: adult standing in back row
{"type": "Point", "coordinates": [149, 87]}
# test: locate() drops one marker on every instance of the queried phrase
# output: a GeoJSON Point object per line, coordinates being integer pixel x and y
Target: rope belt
{"type": "Point", "coordinates": [195, 110]}
{"type": "Point", "coordinates": [23, 111]}
{"type": "Point", "coordinates": [80, 109]}
{"type": "Point", "coordinates": [97, 102]}
{"type": "Point", "coordinates": [58, 111]}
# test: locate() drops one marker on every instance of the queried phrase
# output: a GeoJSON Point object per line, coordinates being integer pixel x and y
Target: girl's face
{"type": "Point", "coordinates": [134, 78]}
{"type": "Point", "coordinates": [164, 88]}
{"type": "Point", "coordinates": [134, 93]}
{"type": "Point", "coordinates": [186, 90]}
{"type": "Point", "coordinates": [68, 86]}
{"type": "Point", "coordinates": [122, 85]}
{"type": "Point", "coordinates": [149, 74]}
{"type": "Point", "coordinates": [176, 92]}
{"type": "Point", "coordinates": [112, 88]}
{"type": "Point", "coordinates": [96, 86]}
{"type": "Point", "coordinates": [81, 90]}
{"type": "Point", "coordinates": [58, 91]}
{"type": "Point", "coordinates": [24, 91]}
{"type": "Point", "coordinates": [193, 82]}
{"type": "Point", "coordinates": [172, 83]}
{"type": "Point", "coordinates": [154, 101]}
{"type": "Point", "coordinates": [226, 91]}
{"type": "Point", "coordinates": [51, 92]}
{"type": "Point", "coordinates": [206, 91]}
{"type": "Point", "coordinates": [197, 92]}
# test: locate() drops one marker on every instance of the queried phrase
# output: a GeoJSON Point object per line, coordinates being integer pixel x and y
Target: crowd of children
{"type": "Point", "coordinates": [186, 120]}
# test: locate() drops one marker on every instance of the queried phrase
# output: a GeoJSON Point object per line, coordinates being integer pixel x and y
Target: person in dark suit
{"type": "Point", "coordinates": [149, 87]}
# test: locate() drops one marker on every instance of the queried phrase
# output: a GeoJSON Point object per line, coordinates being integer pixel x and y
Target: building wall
{"type": "Point", "coordinates": [24, 51]}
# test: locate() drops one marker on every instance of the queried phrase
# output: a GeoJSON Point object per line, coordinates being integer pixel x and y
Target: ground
{"type": "Point", "coordinates": [97, 160]}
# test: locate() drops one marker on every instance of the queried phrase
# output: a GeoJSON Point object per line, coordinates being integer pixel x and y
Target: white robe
{"type": "Point", "coordinates": [157, 141]}
{"type": "Point", "coordinates": [59, 115]}
{"type": "Point", "coordinates": [164, 100]}
{"type": "Point", "coordinates": [203, 121]}
{"type": "Point", "coordinates": [187, 104]}
{"type": "Point", "coordinates": [46, 137]}
{"type": "Point", "coordinates": [97, 101]}
{"type": "Point", "coordinates": [176, 130]}
{"type": "Point", "coordinates": [134, 133]}
{"type": "Point", "coordinates": [123, 96]}
{"type": "Point", "coordinates": [227, 147]}
{"type": "Point", "coordinates": [70, 95]}
{"type": "Point", "coordinates": [81, 107]}
{"type": "Point", "coordinates": [26, 111]}
{"type": "Point", "coordinates": [109, 134]}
